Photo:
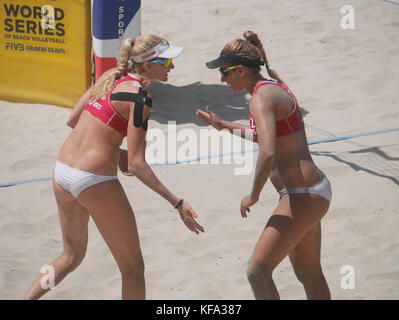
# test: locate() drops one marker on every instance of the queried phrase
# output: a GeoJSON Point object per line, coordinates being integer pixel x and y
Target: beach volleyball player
{"type": "Point", "coordinates": [85, 178]}
{"type": "Point", "coordinates": [305, 193]}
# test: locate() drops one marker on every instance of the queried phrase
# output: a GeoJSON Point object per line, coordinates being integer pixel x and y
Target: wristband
{"type": "Point", "coordinates": [179, 203]}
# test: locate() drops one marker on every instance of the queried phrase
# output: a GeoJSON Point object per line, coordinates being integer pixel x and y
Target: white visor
{"type": "Point", "coordinates": [161, 50]}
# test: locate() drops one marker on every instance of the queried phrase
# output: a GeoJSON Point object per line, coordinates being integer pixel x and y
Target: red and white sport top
{"type": "Point", "coordinates": [288, 125]}
{"type": "Point", "coordinates": [105, 112]}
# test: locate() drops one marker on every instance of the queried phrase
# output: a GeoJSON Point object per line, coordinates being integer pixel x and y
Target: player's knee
{"type": "Point", "coordinates": [133, 267]}
{"type": "Point", "coordinates": [308, 277]}
{"type": "Point", "coordinates": [257, 272]}
{"type": "Point", "coordinates": [73, 258]}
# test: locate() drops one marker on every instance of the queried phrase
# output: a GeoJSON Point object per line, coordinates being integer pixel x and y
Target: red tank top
{"type": "Point", "coordinates": [105, 112]}
{"type": "Point", "coordinates": [288, 125]}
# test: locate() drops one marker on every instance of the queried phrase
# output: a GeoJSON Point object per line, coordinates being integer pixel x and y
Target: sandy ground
{"type": "Point", "coordinates": [346, 82]}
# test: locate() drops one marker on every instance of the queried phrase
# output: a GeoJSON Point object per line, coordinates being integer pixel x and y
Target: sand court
{"type": "Point", "coordinates": [346, 83]}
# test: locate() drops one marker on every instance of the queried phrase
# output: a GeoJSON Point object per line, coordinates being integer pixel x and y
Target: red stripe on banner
{"type": "Point", "coordinates": [103, 64]}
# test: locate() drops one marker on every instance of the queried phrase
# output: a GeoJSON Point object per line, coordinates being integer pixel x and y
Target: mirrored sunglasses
{"type": "Point", "coordinates": [227, 70]}
{"type": "Point", "coordinates": [165, 62]}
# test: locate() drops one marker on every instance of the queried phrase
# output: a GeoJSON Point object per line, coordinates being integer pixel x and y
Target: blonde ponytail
{"type": "Point", "coordinates": [129, 48]}
{"type": "Point", "coordinates": [102, 87]}
{"type": "Point", "coordinates": [253, 39]}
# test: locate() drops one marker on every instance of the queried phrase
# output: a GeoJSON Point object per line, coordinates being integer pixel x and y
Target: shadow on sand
{"type": "Point", "coordinates": [173, 103]}
{"type": "Point", "coordinates": [371, 160]}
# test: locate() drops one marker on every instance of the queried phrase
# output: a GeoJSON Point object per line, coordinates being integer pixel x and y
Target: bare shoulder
{"type": "Point", "coordinates": [270, 91]}
{"type": "Point", "coordinates": [265, 97]}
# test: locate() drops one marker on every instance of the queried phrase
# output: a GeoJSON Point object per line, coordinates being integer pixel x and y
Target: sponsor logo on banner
{"type": "Point", "coordinates": [33, 28]}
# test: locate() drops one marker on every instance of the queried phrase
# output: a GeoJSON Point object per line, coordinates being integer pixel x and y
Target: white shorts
{"type": "Point", "coordinates": [322, 189]}
{"type": "Point", "coordinates": [76, 180]}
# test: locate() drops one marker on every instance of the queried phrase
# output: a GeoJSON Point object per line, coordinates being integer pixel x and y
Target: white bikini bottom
{"type": "Point", "coordinates": [322, 189]}
{"type": "Point", "coordinates": [76, 180]}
